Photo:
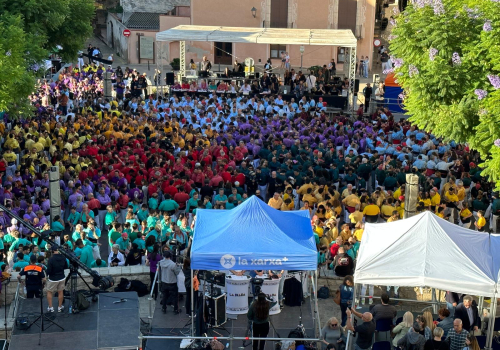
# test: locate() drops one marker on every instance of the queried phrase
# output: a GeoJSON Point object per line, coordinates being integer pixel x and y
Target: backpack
{"type": "Point", "coordinates": [343, 261]}
{"type": "Point", "coordinates": [323, 293]}
{"type": "Point", "coordinates": [81, 302]}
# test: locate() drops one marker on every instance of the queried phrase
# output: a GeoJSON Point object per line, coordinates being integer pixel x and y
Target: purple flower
{"type": "Point", "coordinates": [395, 10]}
{"type": "Point", "coordinates": [480, 93]}
{"type": "Point", "coordinates": [483, 111]}
{"type": "Point", "coordinates": [497, 142]}
{"type": "Point", "coordinates": [455, 58]}
{"type": "Point", "coordinates": [401, 96]}
{"type": "Point", "coordinates": [487, 26]}
{"type": "Point", "coordinates": [432, 53]}
{"type": "Point", "coordinates": [392, 22]}
{"type": "Point", "coordinates": [398, 62]}
{"type": "Point", "coordinates": [438, 7]}
{"type": "Point", "coordinates": [495, 81]}
{"type": "Point", "coordinates": [8, 53]}
{"type": "Point", "coordinates": [388, 71]}
{"type": "Point", "coordinates": [391, 37]}
{"type": "Point", "coordinates": [412, 70]}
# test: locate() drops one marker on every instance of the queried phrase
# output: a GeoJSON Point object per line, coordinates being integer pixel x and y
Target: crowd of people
{"type": "Point", "coordinates": [135, 168]}
{"type": "Point", "coordinates": [453, 328]}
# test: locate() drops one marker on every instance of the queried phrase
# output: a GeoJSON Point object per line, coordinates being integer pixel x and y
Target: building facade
{"type": "Point", "coordinates": [357, 15]}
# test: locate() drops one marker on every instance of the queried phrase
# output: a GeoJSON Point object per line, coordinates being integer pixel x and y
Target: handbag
{"type": "Point", "coordinates": [336, 298]}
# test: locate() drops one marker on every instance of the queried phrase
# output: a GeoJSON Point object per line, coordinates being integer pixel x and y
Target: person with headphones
{"type": "Point", "coordinates": [258, 314]}
{"type": "Point", "coordinates": [35, 278]}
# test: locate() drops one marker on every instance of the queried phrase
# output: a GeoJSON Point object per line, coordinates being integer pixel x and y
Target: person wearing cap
{"type": "Point", "coordinates": [34, 278]}
{"type": "Point", "coordinates": [56, 278]}
{"type": "Point", "coordinates": [124, 243]}
{"type": "Point", "coordinates": [168, 277]}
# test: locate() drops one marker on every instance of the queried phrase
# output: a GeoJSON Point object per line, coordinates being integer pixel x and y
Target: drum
{"type": "Point", "coordinates": [271, 289]}
{"type": "Point", "coordinates": [237, 294]}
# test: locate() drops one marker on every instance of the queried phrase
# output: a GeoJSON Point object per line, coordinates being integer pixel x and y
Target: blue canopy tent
{"type": "Point", "coordinates": [253, 236]}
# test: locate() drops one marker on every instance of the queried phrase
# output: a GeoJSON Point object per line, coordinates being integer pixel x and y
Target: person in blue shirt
{"type": "Point", "coordinates": [220, 198]}
{"type": "Point", "coordinates": [20, 263]}
{"type": "Point", "coordinates": [57, 225]}
{"type": "Point", "coordinates": [346, 293]}
{"type": "Point", "coordinates": [153, 201]}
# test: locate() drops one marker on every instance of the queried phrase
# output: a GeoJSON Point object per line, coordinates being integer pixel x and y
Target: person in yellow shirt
{"type": "Point", "coordinates": [466, 216]}
{"type": "Point", "coordinates": [358, 232]}
{"type": "Point", "coordinates": [425, 200]}
{"type": "Point", "coordinates": [387, 208]}
{"type": "Point", "coordinates": [394, 216]}
{"type": "Point", "coordinates": [307, 207]}
{"type": "Point", "coordinates": [399, 192]}
{"type": "Point", "coordinates": [345, 233]}
{"type": "Point", "coordinates": [400, 207]}
{"type": "Point", "coordinates": [435, 198]}
{"type": "Point", "coordinates": [451, 200]}
{"type": "Point", "coordinates": [460, 191]}
{"type": "Point", "coordinates": [371, 212]}
{"type": "Point", "coordinates": [481, 221]}
{"type": "Point", "coordinates": [276, 201]}
{"type": "Point", "coordinates": [309, 197]}
{"type": "Point", "coordinates": [356, 216]}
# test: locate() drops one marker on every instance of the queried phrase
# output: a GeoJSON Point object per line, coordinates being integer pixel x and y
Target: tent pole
{"type": "Point", "coordinates": [491, 322]}
{"type": "Point", "coordinates": [192, 304]}
{"type": "Point", "coordinates": [434, 305]}
{"type": "Point", "coordinates": [353, 303]}
{"type": "Point", "coordinates": [481, 304]}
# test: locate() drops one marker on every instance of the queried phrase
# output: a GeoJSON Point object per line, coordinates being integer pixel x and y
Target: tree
{"type": "Point", "coordinates": [29, 30]}
{"type": "Point", "coordinates": [446, 55]}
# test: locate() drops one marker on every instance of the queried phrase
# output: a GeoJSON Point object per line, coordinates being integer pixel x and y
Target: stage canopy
{"type": "Point", "coordinates": [251, 35]}
{"type": "Point", "coordinates": [253, 236]}
{"type": "Point", "coordinates": [426, 250]}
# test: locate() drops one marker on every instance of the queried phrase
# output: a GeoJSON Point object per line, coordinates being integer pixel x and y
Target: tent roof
{"type": "Point", "coordinates": [426, 250]}
{"type": "Point", "coordinates": [283, 36]}
{"type": "Point", "coordinates": [253, 236]}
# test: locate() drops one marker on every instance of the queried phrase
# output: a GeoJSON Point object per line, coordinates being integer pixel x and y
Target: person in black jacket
{"type": "Point", "coordinates": [468, 313]}
{"type": "Point", "coordinates": [56, 278]}
{"type": "Point", "coordinates": [258, 314]}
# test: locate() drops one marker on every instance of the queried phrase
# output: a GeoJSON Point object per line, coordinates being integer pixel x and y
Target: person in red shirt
{"type": "Point", "coordinates": [181, 198]}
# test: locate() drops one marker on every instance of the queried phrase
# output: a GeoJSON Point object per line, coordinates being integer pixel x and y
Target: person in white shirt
{"type": "Point", "coordinates": [311, 82]}
{"type": "Point", "coordinates": [110, 58]}
{"type": "Point", "coordinates": [246, 88]}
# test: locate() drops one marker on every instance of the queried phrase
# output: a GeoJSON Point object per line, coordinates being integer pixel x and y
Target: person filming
{"type": "Point", "coordinates": [258, 314]}
{"type": "Point", "coordinates": [35, 278]}
{"type": "Point", "coordinates": [169, 271]}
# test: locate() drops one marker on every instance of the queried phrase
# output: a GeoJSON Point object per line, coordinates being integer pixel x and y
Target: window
{"type": "Point", "coordinates": [279, 13]}
{"type": "Point", "coordinates": [347, 15]}
{"type": "Point", "coordinates": [276, 50]}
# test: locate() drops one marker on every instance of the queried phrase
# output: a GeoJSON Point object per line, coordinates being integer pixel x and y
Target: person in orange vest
{"type": "Point", "coordinates": [34, 280]}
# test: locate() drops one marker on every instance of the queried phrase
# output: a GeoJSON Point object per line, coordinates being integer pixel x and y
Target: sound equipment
{"type": "Point", "coordinates": [203, 74]}
{"type": "Point", "coordinates": [170, 78]}
{"type": "Point", "coordinates": [257, 75]}
{"type": "Point", "coordinates": [238, 74]}
{"type": "Point", "coordinates": [356, 86]}
{"type": "Point", "coordinates": [215, 310]}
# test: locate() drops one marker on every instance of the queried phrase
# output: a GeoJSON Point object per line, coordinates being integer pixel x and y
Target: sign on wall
{"type": "Point", "coordinates": [146, 48]}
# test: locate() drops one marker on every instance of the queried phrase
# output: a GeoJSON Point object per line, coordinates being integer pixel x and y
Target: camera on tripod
{"type": "Point", "coordinates": [176, 248]}
{"type": "Point", "coordinates": [257, 285]}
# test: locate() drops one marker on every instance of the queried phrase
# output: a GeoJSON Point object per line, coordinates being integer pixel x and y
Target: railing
{"type": "Point", "coordinates": [15, 304]}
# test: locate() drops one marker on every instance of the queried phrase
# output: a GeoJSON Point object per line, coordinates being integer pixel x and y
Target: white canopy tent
{"type": "Point", "coordinates": [285, 36]}
{"type": "Point", "coordinates": [425, 250]}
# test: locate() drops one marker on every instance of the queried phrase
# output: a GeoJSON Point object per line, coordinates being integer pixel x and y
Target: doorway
{"type": "Point", "coordinates": [223, 53]}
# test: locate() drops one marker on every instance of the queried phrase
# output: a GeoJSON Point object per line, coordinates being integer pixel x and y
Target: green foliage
{"type": "Point", "coordinates": [441, 96]}
{"type": "Point", "coordinates": [175, 64]}
{"type": "Point", "coordinates": [29, 29]}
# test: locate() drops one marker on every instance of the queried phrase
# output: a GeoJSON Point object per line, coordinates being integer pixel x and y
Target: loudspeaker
{"type": "Point", "coordinates": [356, 86]}
{"type": "Point", "coordinates": [215, 310]}
{"type": "Point", "coordinates": [203, 74]}
{"type": "Point", "coordinates": [170, 78]}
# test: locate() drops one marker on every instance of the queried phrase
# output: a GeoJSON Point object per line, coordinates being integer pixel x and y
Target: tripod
{"type": "Point", "coordinates": [43, 318]}
{"type": "Point", "coordinates": [73, 287]}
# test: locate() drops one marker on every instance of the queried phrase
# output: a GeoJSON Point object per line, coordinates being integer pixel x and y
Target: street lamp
{"type": "Point", "coordinates": [302, 49]}
{"type": "Point", "coordinates": [254, 12]}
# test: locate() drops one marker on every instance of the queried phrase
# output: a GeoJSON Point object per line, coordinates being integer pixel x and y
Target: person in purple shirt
{"type": "Point", "coordinates": [105, 200]}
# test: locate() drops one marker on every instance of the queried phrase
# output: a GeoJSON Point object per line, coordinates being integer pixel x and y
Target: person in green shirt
{"type": "Point", "coordinates": [230, 203]}
{"type": "Point", "coordinates": [168, 205]}
{"type": "Point", "coordinates": [58, 224]}
{"type": "Point", "coordinates": [114, 234]}
{"type": "Point", "coordinates": [141, 244]}
{"type": "Point", "coordinates": [192, 203]}
{"type": "Point", "coordinates": [152, 219]}
{"type": "Point", "coordinates": [86, 255]}
{"type": "Point", "coordinates": [221, 198]}
{"type": "Point", "coordinates": [98, 263]}
{"type": "Point", "coordinates": [235, 195]}
{"type": "Point", "coordinates": [142, 214]}
{"type": "Point", "coordinates": [73, 218]}
{"type": "Point", "coordinates": [153, 201]}
{"type": "Point", "coordinates": [110, 216]}
{"type": "Point", "coordinates": [124, 243]}
{"type": "Point", "coordinates": [20, 263]}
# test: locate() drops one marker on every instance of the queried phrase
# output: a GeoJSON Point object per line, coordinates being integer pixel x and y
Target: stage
{"type": "Point", "coordinates": [104, 325]}
{"type": "Point", "coordinates": [171, 325]}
